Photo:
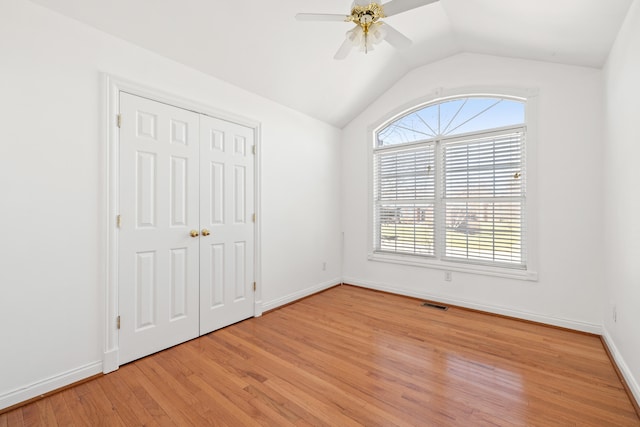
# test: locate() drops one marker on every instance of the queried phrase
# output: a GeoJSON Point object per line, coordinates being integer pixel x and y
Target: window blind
{"type": "Point", "coordinates": [404, 207]}
{"type": "Point", "coordinates": [483, 197]}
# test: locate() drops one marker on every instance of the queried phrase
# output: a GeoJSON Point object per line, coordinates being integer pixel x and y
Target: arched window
{"type": "Point", "coordinates": [449, 182]}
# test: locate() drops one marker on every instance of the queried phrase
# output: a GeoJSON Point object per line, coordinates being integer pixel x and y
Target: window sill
{"type": "Point", "coordinates": [527, 275]}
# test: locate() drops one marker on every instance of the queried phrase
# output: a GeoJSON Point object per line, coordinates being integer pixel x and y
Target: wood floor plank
{"type": "Point", "coordinates": [30, 415]}
{"type": "Point", "coordinates": [61, 410]}
{"type": "Point", "coordinates": [351, 357]}
{"type": "Point", "coordinates": [161, 396]}
{"type": "Point", "coordinates": [131, 411]}
{"type": "Point", "coordinates": [128, 375]}
{"type": "Point", "coordinates": [95, 405]}
{"type": "Point", "coordinates": [15, 418]}
{"type": "Point", "coordinates": [309, 379]}
{"type": "Point", "coordinates": [76, 408]}
{"type": "Point", "coordinates": [48, 417]}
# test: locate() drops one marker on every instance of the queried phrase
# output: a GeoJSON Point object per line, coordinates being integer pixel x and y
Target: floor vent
{"type": "Point", "coordinates": [436, 306]}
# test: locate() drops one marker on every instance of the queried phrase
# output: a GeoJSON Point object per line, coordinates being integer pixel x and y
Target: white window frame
{"type": "Point", "coordinates": [530, 98]}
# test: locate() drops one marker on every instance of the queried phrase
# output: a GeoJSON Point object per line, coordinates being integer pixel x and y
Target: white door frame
{"type": "Point", "coordinates": [112, 86]}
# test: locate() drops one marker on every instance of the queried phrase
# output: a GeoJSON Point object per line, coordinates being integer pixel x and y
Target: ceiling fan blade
{"type": "Point", "coordinates": [398, 6]}
{"type": "Point", "coordinates": [344, 50]}
{"type": "Point", "coordinates": [322, 17]}
{"type": "Point", "coordinates": [395, 38]}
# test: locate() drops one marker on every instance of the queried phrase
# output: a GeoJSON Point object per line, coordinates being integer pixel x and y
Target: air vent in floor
{"type": "Point", "coordinates": [436, 306]}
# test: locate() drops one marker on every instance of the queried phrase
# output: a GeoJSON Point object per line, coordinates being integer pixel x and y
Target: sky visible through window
{"type": "Point", "coordinates": [453, 117]}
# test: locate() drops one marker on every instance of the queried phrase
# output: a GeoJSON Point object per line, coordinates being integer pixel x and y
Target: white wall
{"type": "Point", "coordinates": [52, 179]}
{"type": "Point", "coordinates": [622, 198]}
{"type": "Point", "coordinates": [569, 182]}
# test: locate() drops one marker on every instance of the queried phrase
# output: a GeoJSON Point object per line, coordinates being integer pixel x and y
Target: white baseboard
{"type": "Point", "coordinates": [270, 305]}
{"type": "Point", "coordinates": [622, 365]}
{"type": "Point", "coordinates": [55, 382]}
{"type": "Point", "coordinates": [548, 320]}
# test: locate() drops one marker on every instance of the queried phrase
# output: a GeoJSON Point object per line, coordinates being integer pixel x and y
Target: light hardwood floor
{"type": "Point", "coordinates": [350, 356]}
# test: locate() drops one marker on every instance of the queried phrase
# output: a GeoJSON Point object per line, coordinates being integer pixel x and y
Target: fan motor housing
{"type": "Point", "coordinates": [367, 15]}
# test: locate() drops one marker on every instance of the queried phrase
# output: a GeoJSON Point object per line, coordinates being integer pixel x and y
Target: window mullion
{"type": "Point", "coordinates": [439, 228]}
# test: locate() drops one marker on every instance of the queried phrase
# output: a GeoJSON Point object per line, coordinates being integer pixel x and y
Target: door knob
{"type": "Point", "coordinates": [194, 233]}
{"type": "Point", "coordinates": [205, 232]}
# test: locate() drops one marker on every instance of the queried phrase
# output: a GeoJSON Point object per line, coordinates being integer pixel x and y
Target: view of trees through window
{"type": "Point", "coordinates": [449, 182]}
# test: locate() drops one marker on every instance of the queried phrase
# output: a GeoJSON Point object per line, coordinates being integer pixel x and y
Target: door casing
{"type": "Point", "coordinates": [112, 86]}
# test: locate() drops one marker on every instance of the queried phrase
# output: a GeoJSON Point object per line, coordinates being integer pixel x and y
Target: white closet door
{"type": "Point", "coordinates": [226, 211]}
{"type": "Point", "coordinates": [158, 258]}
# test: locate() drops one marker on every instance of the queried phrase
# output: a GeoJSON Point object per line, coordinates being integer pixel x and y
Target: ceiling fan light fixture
{"type": "Point", "coordinates": [355, 36]}
{"type": "Point", "coordinates": [377, 32]}
{"type": "Point", "coordinates": [366, 38]}
{"type": "Point", "coordinates": [369, 29]}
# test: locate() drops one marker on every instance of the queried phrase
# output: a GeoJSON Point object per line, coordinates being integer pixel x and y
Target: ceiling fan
{"type": "Point", "coordinates": [370, 29]}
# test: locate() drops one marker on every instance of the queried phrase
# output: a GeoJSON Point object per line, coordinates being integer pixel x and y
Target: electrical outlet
{"type": "Point", "coordinates": [324, 266]}
{"type": "Point", "coordinates": [447, 276]}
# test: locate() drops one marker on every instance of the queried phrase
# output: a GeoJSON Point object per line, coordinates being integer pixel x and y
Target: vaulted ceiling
{"type": "Point", "coordinates": [259, 46]}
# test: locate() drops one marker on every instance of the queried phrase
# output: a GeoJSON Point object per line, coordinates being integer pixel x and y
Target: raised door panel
{"type": "Point", "coordinates": [145, 291]}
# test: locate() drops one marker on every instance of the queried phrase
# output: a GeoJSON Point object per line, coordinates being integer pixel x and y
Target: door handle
{"type": "Point", "coordinates": [194, 233]}
{"type": "Point", "coordinates": [205, 232]}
